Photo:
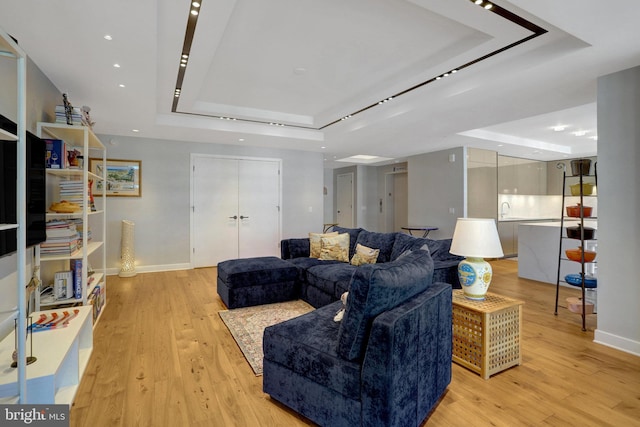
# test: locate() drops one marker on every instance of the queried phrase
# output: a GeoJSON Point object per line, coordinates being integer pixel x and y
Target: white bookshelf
{"type": "Point", "coordinates": [91, 252]}
{"type": "Point", "coordinates": [10, 51]}
{"type": "Point", "coordinates": [62, 356]}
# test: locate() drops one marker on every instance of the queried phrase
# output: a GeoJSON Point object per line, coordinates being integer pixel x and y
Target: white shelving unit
{"type": "Point", "coordinates": [92, 252]}
{"type": "Point", "coordinates": [9, 50]}
{"type": "Point", "coordinates": [62, 357]}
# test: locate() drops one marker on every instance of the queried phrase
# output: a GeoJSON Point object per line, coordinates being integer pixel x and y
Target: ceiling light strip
{"type": "Point", "coordinates": [493, 8]}
{"type": "Point", "coordinates": [192, 21]}
{"type": "Point", "coordinates": [537, 31]}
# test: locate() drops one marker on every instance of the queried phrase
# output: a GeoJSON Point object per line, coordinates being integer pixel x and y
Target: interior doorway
{"type": "Point", "coordinates": [396, 213]}
{"type": "Point", "coordinates": [235, 209]}
{"type": "Point", "coordinates": [345, 203]}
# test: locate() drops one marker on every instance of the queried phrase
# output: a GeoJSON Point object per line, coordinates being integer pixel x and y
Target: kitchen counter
{"type": "Point", "coordinates": [525, 219]}
{"type": "Point", "coordinates": [538, 250]}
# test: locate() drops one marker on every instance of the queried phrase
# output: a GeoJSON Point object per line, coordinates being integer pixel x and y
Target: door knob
{"type": "Point", "coordinates": [244, 217]}
{"type": "Point", "coordinates": [234, 217]}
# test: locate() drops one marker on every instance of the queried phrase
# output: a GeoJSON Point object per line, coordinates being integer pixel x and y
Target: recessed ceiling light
{"type": "Point", "coordinates": [108, 37]}
{"type": "Point", "coordinates": [478, 2]}
{"type": "Point", "coordinates": [135, 130]}
{"type": "Point", "coordinates": [185, 56]}
{"type": "Point", "coordinates": [559, 128]}
{"type": "Point", "coordinates": [121, 85]}
{"type": "Point", "coordinates": [594, 137]}
{"type": "Point", "coordinates": [323, 147]}
{"type": "Point", "coordinates": [488, 6]}
{"type": "Point", "coordinates": [194, 12]}
{"type": "Point", "coordinates": [580, 133]}
{"type": "Point", "coordinates": [195, 4]}
{"type": "Point", "coordinates": [241, 139]}
{"type": "Point", "coordinates": [183, 64]}
{"type": "Point", "coordinates": [116, 65]}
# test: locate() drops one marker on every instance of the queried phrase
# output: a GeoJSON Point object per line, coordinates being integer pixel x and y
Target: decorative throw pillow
{"type": "Point", "coordinates": [335, 248]}
{"type": "Point", "coordinates": [315, 244]}
{"type": "Point", "coordinates": [364, 255]}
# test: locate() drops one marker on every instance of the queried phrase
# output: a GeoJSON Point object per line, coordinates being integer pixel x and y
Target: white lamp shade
{"type": "Point", "coordinates": [476, 238]}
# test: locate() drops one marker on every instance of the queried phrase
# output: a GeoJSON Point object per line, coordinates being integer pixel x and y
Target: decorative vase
{"type": "Point", "coordinates": [127, 252]}
{"type": "Point", "coordinates": [474, 275]}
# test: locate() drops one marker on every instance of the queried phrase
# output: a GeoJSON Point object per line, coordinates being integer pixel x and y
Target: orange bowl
{"type": "Point", "coordinates": [576, 255]}
{"type": "Point", "coordinates": [574, 211]}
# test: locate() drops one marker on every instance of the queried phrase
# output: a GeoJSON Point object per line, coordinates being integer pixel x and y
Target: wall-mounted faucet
{"type": "Point", "coordinates": [502, 210]}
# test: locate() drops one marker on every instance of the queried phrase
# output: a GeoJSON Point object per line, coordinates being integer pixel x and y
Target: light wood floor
{"type": "Point", "coordinates": [163, 357]}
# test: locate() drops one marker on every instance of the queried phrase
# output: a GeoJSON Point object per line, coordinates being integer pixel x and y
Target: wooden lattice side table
{"type": "Point", "coordinates": [486, 334]}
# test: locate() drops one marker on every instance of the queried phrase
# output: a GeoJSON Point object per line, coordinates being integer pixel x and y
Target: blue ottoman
{"type": "Point", "coordinates": [256, 281]}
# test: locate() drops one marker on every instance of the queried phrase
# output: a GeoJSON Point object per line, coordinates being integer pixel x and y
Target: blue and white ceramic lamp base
{"type": "Point", "coordinates": [475, 276]}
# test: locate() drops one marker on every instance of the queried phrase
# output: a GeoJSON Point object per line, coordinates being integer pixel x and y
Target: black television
{"type": "Point", "coordinates": [36, 189]}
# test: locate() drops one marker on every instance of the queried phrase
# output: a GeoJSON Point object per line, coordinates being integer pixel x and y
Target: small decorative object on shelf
{"type": "Point", "coordinates": [86, 118]}
{"type": "Point", "coordinates": [68, 109]}
{"type": "Point", "coordinates": [475, 238]}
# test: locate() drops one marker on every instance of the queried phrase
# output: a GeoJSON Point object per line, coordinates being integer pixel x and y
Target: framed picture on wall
{"type": "Point", "coordinates": [123, 177]}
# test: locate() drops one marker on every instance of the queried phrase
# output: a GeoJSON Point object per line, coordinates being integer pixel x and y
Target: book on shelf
{"type": "Point", "coordinates": [56, 153]}
{"type": "Point", "coordinates": [76, 269]}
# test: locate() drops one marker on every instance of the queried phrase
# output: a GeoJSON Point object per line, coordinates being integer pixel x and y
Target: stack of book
{"type": "Point", "coordinates": [76, 115]}
{"type": "Point", "coordinates": [62, 238]}
{"type": "Point", "coordinates": [71, 191]}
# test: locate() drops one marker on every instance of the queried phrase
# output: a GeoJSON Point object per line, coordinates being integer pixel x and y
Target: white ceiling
{"type": "Point", "coordinates": [305, 64]}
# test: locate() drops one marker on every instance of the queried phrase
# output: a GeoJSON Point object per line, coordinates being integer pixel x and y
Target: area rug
{"type": "Point", "coordinates": [247, 325]}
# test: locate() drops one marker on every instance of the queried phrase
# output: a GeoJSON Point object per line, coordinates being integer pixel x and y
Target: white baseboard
{"type": "Point", "coordinates": [617, 342]}
{"type": "Point", "coordinates": [152, 268]}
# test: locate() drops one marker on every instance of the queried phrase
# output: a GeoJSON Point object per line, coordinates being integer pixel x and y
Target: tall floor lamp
{"type": "Point", "coordinates": [127, 252]}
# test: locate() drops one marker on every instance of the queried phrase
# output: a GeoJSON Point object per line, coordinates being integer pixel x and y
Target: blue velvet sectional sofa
{"type": "Point", "coordinates": [322, 282]}
{"type": "Point", "coordinates": [388, 361]}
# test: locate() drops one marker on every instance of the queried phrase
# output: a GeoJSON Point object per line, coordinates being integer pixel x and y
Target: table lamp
{"type": "Point", "coordinates": [475, 239]}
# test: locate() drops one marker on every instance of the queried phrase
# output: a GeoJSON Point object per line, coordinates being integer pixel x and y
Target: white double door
{"type": "Point", "coordinates": [235, 209]}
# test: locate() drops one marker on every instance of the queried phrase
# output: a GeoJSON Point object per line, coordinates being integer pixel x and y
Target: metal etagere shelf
{"type": "Point", "coordinates": [580, 179]}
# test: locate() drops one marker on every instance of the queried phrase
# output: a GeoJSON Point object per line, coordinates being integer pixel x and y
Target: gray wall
{"type": "Point", "coordinates": [436, 185]}
{"type": "Point", "coordinates": [162, 216]}
{"type": "Point", "coordinates": [619, 210]}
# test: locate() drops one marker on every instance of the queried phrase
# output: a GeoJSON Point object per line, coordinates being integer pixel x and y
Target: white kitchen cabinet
{"type": "Point", "coordinates": [521, 176]}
